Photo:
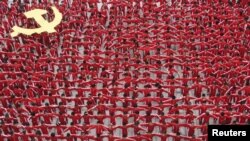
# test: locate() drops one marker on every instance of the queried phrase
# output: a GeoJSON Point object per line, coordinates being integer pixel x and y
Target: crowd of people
{"type": "Point", "coordinates": [135, 70]}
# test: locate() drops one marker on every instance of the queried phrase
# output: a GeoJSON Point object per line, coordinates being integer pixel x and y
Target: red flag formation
{"type": "Point", "coordinates": [125, 70]}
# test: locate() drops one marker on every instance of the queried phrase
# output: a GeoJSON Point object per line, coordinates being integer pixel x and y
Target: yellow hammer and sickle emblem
{"type": "Point", "coordinates": [45, 26]}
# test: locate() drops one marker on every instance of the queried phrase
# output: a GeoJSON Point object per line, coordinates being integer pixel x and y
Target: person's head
{"type": "Point", "coordinates": [15, 121]}
{"type": "Point", "coordinates": [135, 105]}
{"type": "Point", "coordinates": [7, 115]}
{"type": "Point", "coordinates": [60, 103]}
{"type": "Point", "coordinates": [239, 93]}
{"type": "Point", "coordinates": [1, 122]}
{"type": "Point", "coordinates": [10, 105]}
{"type": "Point", "coordinates": [63, 94]}
{"type": "Point", "coordinates": [218, 94]}
{"type": "Point", "coordinates": [41, 121]}
{"type": "Point", "coordinates": [52, 134]}
{"type": "Point", "coordinates": [148, 113]}
{"type": "Point", "coordinates": [175, 105]}
{"type": "Point", "coordinates": [126, 85]}
{"type": "Point", "coordinates": [12, 96]}
{"type": "Point", "coordinates": [99, 95]}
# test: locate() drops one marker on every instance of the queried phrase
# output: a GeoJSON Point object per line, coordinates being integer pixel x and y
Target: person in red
{"type": "Point", "coordinates": [73, 129]}
{"type": "Point", "coordinates": [150, 136]}
{"type": "Point", "coordinates": [126, 127]}
{"type": "Point", "coordinates": [5, 136]}
{"type": "Point", "coordinates": [23, 136]}
{"type": "Point", "coordinates": [246, 100]}
{"type": "Point", "coordinates": [224, 118]}
{"type": "Point", "coordinates": [241, 107]}
{"type": "Point", "coordinates": [100, 107]}
{"type": "Point", "coordinates": [150, 127]}
{"type": "Point", "coordinates": [203, 107]}
{"type": "Point", "coordinates": [246, 89]}
{"type": "Point", "coordinates": [7, 91]}
{"type": "Point", "coordinates": [205, 117]}
{"type": "Point", "coordinates": [241, 118]}
{"type": "Point", "coordinates": [190, 128]}
{"type": "Point", "coordinates": [176, 136]}
{"type": "Point", "coordinates": [203, 100]}
{"type": "Point", "coordinates": [198, 89]}
{"type": "Point", "coordinates": [99, 128]}
{"type": "Point", "coordinates": [52, 137]}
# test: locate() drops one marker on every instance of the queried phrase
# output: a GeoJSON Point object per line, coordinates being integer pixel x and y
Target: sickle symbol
{"type": "Point", "coordinates": [44, 24]}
